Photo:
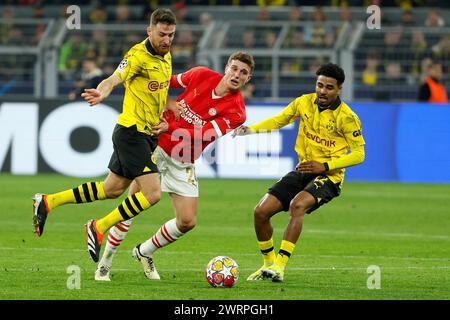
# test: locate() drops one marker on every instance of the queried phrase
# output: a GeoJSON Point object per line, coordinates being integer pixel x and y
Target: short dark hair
{"type": "Point", "coordinates": [333, 71]}
{"type": "Point", "coordinates": [165, 16]}
{"type": "Point", "coordinates": [243, 57]}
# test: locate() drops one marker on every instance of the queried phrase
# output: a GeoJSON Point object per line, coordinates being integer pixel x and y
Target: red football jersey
{"type": "Point", "coordinates": [206, 118]}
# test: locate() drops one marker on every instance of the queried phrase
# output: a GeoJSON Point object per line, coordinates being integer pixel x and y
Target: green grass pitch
{"type": "Point", "coordinates": [401, 228]}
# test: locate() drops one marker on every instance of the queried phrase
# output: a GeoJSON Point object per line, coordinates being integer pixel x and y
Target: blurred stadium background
{"type": "Point", "coordinates": [46, 128]}
{"type": "Point", "coordinates": [44, 61]}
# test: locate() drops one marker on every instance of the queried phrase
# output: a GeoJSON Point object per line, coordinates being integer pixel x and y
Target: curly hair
{"type": "Point", "coordinates": [333, 71]}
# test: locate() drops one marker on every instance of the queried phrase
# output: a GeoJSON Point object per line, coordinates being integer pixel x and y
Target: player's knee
{"type": "Point", "coordinates": [153, 196]}
{"type": "Point", "coordinates": [259, 213]}
{"type": "Point", "coordinates": [297, 208]}
{"type": "Point", "coordinates": [113, 193]}
{"type": "Point", "coordinates": [185, 225]}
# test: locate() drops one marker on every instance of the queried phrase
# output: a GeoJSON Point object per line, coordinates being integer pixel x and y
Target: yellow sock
{"type": "Point", "coordinates": [129, 208]}
{"type": "Point", "coordinates": [267, 251]}
{"type": "Point", "coordinates": [284, 254]}
{"type": "Point", "coordinates": [87, 192]}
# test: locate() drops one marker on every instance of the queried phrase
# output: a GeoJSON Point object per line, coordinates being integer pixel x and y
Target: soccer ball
{"type": "Point", "coordinates": [222, 271]}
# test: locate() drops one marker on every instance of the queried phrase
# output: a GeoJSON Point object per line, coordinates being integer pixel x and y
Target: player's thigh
{"type": "Point", "coordinates": [149, 185]}
{"type": "Point", "coordinates": [285, 189]}
{"type": "Point", "coordinates": [176, 177]}
{"type": "Point", "coordinates": [114, 185]}
{"type": "Point", "coordinates": [133, 153]}
{"type": "Point", "coordinates": [268, 206]}
{"type": "Point", "coordinates": [302, 203]}
{"type": "Point", "coordinates": [185, 210]}
{"type": "Point", "coordinates": [323, 190]}
{"type": "Point", "coordinates": [134, 188]}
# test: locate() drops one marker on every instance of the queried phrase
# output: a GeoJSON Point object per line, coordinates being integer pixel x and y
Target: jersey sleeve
{"type": "Point", "coordinates": [182, 80]}
{"type": "Point", "coordinates": [128, 67]}
{"type": "Point", "coordinates": [352, 130]}
{"type": "Point", "coordinates": [285, 117]}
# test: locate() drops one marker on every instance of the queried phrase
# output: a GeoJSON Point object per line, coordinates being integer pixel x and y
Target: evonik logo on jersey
{"type": "Point", "coordinates": [325, 142]}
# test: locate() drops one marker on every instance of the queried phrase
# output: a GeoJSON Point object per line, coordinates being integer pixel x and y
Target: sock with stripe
{"type": "Point", "coordinates": [129, 208]}
{"type": "Point", "coordinates": [115, 237]}
{"type": "Point", "coordinates": [165, 235]}
{"type": "Point", "coordinates": [267, 251]}
{"type": "Point", "coordinates": [284, 254]}
{"type": "Point", "coordinates": [87, 192]}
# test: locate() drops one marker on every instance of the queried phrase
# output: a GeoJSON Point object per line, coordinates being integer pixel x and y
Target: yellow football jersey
{"type": "Point", "coordinates": [146, 78]}
{"type": "Point", "coordinates": [323, 136]}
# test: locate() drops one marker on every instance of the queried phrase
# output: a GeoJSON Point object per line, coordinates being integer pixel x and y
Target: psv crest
{"type": "Point", "coordinates": [212, 111]}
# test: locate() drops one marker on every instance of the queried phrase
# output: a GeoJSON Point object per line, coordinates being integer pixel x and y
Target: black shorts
{"type": "Point", "coordinates": [132, 156]}
{"type": "Point", "coordinates": [319, 186]}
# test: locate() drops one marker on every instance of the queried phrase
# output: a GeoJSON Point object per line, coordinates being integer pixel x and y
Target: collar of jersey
{"type": "Point", "coordinates": [214, 95]}
{"type": "Point", "coordinates": [150, 48]}
{"type": "Point", "coordinates": [332, 106]}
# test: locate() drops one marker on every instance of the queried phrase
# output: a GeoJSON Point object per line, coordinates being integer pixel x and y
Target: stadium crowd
{"type": "Point", "coordinates": [400, 56]}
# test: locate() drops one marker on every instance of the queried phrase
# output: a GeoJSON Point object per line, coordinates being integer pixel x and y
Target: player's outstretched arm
{"type": "Point", "coordinates": [175, 107]}
{"type": "Point", "coordinates": [242, 131]}
{"type": "Point", "coordinates": [161, 127]}
{"type": "Point", "coordinates": [104, 89]}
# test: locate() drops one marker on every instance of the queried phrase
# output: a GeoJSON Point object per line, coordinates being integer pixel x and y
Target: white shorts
{"type": "Point", "coordinates": [176, 177]}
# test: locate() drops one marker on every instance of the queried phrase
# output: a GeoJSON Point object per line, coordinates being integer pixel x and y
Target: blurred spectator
{"type": "Point", "coordinates": [89, 77]}
{"type": "Point", "coordinates": [345, 15]}
{"type": "Point", "coordinates": [71, 54]}
{"type": "Point", "coordinates": [316, 34]}
{"type": "Point", "coordinates": [123, 15]}
{"type": "Point", "coordinates": [391, 44]}
{"type": "Point", "coordinates": [8, 16]}
{"type": "Point", "coordinates": [99, 42]}
{"type": "Point", "coordinates": [425, 66]}
{"type": "Point", "coordinates": [431, 89]}
{"type": "Point", "coordinates": [407, 19]}
{"type": "Point", "coordinates": [291, 66]}
{"type": "Point", "coordinates": [264, 14]}
{"type": "Point", "coordinates": [295, 39]}
{"type": "Point", "coordinates": [270, 39]}
{"type": "Point", "coordinates": [38, 13]}
{"type": "Point", "coordinates": [370, 73]}
{"type": "Point", "coordinates": [205, 19]}
{"type": "Point", "coordinates": [393, 73]}
{"type": "Point", "coordinates": [318, 15]}
{"type": "Point", "coordinates": [418, 50]}
{"type": "Point", "coordinates": [98, 15]}
{"type": "Point", "coordinates": [441, 51]}
{"type": "Point", "coordinates": [248, 39]}
{"type": "Point", "coordinates": [183, 50]}
{"type": "Point", "coordinates": [295, 14]}
{"type": "Point", "coordinates": [181, 13]}
{"type": "Point", "coordinates": [120, 47]}
{"type": "Point", "coordinates": [271, 2]}
{"type": "Point", "coordinates": [315, 65]}
{"type": "Point", "coordinates": [434, 19]}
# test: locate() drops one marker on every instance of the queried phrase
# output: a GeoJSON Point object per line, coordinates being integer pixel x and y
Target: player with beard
{"type": "Point", "coordinates": [145, 72]}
